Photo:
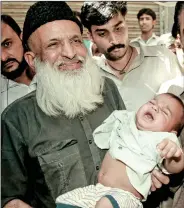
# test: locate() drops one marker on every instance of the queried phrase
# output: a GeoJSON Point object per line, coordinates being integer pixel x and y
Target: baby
{"type": "Point", "coordinates": [137, 141]}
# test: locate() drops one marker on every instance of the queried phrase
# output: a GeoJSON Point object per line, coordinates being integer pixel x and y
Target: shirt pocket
{"type": "Point", "coordinates": [62, 167]}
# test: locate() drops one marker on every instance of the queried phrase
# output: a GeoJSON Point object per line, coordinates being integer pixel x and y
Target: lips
{"type": "Point", "coordinates": [116, 50]}
{"type": "Point", "coordinates": [70, 65]}
{"type": "Point", "coordinates": [8, 65]}
{"type": "Point", "coordinates": [149, 116]}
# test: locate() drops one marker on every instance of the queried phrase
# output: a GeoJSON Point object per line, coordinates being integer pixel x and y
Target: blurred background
{"type": "Point", "coordinates": [164, 12]}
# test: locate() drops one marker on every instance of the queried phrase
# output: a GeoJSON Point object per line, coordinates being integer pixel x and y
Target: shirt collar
{"type": "Point", "coordinates": [143, 51]}
{"type": "Point", "coordinates": [153, 36]}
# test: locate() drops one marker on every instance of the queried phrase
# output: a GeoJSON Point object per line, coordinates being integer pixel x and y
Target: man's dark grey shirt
{"type": "Point", "coordinates": [44, 157]}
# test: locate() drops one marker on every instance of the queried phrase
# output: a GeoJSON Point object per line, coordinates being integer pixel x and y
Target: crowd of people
{"type": "Point", "coordinates": [64, 106]}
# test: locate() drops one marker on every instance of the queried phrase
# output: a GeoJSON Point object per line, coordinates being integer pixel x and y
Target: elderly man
{"type": "Point", "coordinates": [17, 79]}
{"type": "Point", "coordinates": [137, 70]}
{"type": "Point", "coordinates": [47, 142]}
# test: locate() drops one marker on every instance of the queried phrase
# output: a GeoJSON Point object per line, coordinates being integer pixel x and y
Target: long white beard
{"type": "Point", "coordinates": [69, 92]}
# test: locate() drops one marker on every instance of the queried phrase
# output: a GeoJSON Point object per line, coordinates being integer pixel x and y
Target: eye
{"type": "Point", "coordinates": [77, 40]}
{"type": "Point", "coordinates": [118, 29]}
{"type": "Point", "coordinates": [152, 102]}
{"type": "Point", "coordinates": [53, 44]}
{"type": "Point", "coordinates": [7, 44]}
{"type": "Point", "coordinates": [101, 34]}
{"type": "Point", "coordinates": [166, 112]}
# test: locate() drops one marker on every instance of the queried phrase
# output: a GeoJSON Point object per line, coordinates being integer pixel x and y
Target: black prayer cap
{"type": "Point", "coordinates": [43, 12]}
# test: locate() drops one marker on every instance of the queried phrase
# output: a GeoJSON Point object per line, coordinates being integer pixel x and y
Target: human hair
{"type": "Point", "coordinates": [77, 14]}
{"type": "Point", "coordinates": [7, 19]}
{"type": "Point", "coordinates": [180, 124]}
{"type": "Point", "coordinates": [100, 12]}
{"type": "Point", "coordinates": [147, 11]}
{"type": "Point", "coordinates": [178, 8]}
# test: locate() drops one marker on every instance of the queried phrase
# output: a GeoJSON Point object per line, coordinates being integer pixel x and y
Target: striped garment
{"type": "Point", "coordinates": [88, 196]}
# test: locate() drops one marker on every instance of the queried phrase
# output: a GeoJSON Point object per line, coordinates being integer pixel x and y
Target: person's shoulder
{"type": "Point", "coordinates": [156, 50]}
{"type": "Point", "coordinates": [109, 84]}
{"type": "Point", "coordinates": [135, 40]}
{"type": "Point", "coordinates": [112, 94]}
{"type": "Point", "coordinates": [20, 104]}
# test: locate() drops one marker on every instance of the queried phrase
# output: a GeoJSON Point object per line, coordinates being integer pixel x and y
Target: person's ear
{"type": "Point", "coordinates": [20, 36]}
{"type": "Point", "coordinates": [154, 23]}
{"type": "Point", "coordinates": [90, 36]}
{"type": "Point", "coordinates": [174, 132]}
{"type": "Point", "coordinates": [29, 57]}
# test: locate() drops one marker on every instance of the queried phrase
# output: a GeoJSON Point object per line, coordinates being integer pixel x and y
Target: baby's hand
{"type": "Point", "coordinates": [169, 149]}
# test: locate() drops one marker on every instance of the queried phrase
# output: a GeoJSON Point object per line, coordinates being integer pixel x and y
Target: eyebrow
{"type": "Point", "coordinates": [103, 29]}
{"type": "Point", "coordinates": [5, 40]}
{"type": "Point", "coordinates": [58, 39]}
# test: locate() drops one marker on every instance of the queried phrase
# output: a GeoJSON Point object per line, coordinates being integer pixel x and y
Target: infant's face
{"type": "Point", "coordinates": [159, 114]}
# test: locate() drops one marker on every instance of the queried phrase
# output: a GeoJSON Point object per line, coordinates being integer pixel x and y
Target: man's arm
{"type": "Point", "coordinates": [13, 169]}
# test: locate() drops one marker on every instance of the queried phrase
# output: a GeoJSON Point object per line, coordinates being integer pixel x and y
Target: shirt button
{"type": "Point", "coordinates": [97, 167]}
{"type": "Point", "coordinates": [81, 118]}
{"type": "Point", "coordinates": [120, 147]}
{"type": "Point", "coordinates": [90, 141]}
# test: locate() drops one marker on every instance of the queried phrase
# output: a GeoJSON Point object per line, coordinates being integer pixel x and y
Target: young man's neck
{"type": "Point", "coordinates": [146, 35]}
{"type": "Point", "coordinates": [24, 79]}
{"type": "Point", "coordinates": [124, 63]}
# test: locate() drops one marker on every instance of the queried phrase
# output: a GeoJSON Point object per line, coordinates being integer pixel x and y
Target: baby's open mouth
{"type": "Point", "coordinates": [149, 116]}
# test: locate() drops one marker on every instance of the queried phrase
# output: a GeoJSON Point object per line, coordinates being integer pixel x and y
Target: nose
{"type": "Point", "coordinates": [4, 55]}
{"type": "Point", "coordinates": [113, 39]}
{"type": "Point", "coordinates": [143, 21]}
{"type": "Point", "coordinates": [155, 107]}
{"type": "Point", "coordinates": [68, 50]}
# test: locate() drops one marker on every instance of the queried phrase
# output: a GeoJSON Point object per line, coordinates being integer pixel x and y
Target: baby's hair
{"type": "Point", "coordinates": [179, 126]}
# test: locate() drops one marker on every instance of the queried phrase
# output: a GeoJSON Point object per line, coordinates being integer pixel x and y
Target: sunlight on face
{"type": "Point", "coordinates": [159, 114]}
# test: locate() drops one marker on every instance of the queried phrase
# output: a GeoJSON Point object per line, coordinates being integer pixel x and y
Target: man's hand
{"type": "Point", "coordinates": [158, 179]}
{"type": "Point", "coordinates": [169, 149]}
{"type": "Point", "coordinates": [16, 203]}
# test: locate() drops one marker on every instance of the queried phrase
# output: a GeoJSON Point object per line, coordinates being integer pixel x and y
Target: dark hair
{"type": "Point", "coordinates": [180, 124]}
{"type": "Point", "coordinates": [77, 14]}
{"type": "Point", "coordinates": [178, 8]}
{"type": "Point", "coordinates": [100, 12]}
{"type": "Point", "coordinates": [147, 11]}
{"type": "Point", "coordinates": [11, 22]}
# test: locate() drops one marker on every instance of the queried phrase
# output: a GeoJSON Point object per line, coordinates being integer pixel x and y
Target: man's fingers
{"type": "Point", "coordinates": [162, 144]}
{"type": "Point", "coordinates": [169, 152]}
{"type": "Point", "coordinates": [158, 178]}
{"type": "Point", "coordinates": [156, 182]}
{"type": "Point", "coordinates": [153, 188]}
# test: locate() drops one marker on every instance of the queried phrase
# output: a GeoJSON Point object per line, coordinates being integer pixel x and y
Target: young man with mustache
{"type": "Point", "coordinates": [137, 70]}
{"type": "Point", "coordinates": [17, 75]}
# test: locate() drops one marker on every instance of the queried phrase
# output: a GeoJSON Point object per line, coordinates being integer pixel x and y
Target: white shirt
{"type": "Point", "coordinates": [153, 66]}
{"type": "Point", "coordinates": [11, 91]}
{"type": "Point", "coordinates": [153, 40]}
{"type": "Point", "coordinates": [175, 86]}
